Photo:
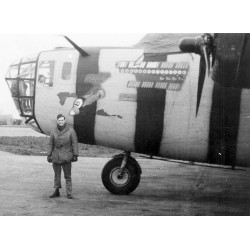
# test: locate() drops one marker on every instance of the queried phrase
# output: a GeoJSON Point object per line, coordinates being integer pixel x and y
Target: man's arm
{"type": "Point", "coordinates": [50, 144]}
{"type": "Point", "coordinates": [74, 142]}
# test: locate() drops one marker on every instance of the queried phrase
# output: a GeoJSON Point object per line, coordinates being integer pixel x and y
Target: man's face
{"type": "Point", "coordinates": [61, 121]}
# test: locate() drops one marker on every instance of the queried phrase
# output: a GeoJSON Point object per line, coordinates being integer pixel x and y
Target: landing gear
{"type": "Point", "coordinates": [121, 175]}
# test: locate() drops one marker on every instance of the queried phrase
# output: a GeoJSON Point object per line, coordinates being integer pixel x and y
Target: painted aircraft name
{"type": "Point", "coordinates": [155, 68]}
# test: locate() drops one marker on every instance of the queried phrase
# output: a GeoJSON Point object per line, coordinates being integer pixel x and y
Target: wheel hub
{"type": "Point", "coordinates": [118, 179]}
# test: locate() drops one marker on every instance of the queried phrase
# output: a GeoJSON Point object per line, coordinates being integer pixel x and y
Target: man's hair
{"type": "Point", "coordinates": [60, 115]}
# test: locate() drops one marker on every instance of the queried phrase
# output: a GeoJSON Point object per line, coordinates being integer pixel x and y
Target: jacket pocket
{"type": "Point", "coordinates": [65, 156]}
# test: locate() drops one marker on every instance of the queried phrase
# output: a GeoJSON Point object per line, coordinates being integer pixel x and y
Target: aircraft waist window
{"type": "Point", "coordinates": [46, 73]}
{"type": "Point", "coordinates": [66, 71]}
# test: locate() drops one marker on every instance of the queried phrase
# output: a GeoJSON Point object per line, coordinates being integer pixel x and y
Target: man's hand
{"type": "Point", "coordinates": [49, 159]}
{"type": "Point", "coordinates": [74, 159]}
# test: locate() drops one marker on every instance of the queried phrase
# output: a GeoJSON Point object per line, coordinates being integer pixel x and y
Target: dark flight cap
{"type": "Point", "coordinates": [60, 115]}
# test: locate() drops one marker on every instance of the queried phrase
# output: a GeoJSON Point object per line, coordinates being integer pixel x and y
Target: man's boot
{"type": "Point", "coordinates": [55, 194]}
{"type": "Point", "coordinates": [69, 196]}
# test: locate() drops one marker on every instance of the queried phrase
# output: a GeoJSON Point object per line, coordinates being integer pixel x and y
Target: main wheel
{"type": "Point", "coordinates": [116, 184]}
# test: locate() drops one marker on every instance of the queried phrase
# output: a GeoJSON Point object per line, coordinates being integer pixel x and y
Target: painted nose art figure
{"type": "Point", "coordinates": [81, 103]}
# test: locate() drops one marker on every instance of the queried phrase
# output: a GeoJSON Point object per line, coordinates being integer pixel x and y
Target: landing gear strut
{"type": "Point", "coordinates": [122, 174]}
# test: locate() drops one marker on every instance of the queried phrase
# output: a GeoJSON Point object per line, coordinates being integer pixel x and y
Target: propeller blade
{"type": "Point", "coordinates": [203, 46]}
{"type": "Point", "coordinates": [204, 67]}
{"type": "Point", "coordinates": [204, 50]}
{"type": "Point", "coordinates": [200, 82]}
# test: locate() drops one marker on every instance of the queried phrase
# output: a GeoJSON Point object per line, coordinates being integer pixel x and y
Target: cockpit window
{"type": "Point", "coordinates": [46, 73]}
{"type": "Point", "coordinates": [66, 71]}
{"type": "Point", "coordinates": [12, 72]}
{"type": "Point", "coordinates": [26, 88]}
{"type": "Point", "coordinates": [13, 87]}
{"type": "Point", "coordinates": [29, 58]}
{"type": "Point", "coordinates": [27, 70]}
{"type": "Point", "coordinates": [21, 79]}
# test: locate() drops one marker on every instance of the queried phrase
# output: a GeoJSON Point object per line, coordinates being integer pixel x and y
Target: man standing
{"type": "Point", "coordinates": [62, 150]}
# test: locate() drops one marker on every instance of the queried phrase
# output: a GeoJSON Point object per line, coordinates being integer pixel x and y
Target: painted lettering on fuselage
{"type": "Point", "coordinates": [159, 75]}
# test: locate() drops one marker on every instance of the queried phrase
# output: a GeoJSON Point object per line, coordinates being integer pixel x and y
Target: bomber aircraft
{"type": "Point", "coordinates": [189, 102]}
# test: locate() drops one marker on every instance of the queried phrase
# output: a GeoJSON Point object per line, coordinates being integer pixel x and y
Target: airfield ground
{"type": "Point", "coordinates": [25, 141]}
{"type": "Point", "coordinates": [166, 188]}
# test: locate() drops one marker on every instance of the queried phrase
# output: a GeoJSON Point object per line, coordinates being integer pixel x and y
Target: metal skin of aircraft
{"type": "Point", "coordinates": [188, 105]}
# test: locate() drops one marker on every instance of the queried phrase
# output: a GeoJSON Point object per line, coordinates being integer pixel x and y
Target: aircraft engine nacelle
{"type": "Point", "coordinates": [230, 56]}
{"type": "Point", "coordinates": [203, 45]}
{"type": "Point", "coordinates": [197, 45]}
{"type": "Point", "coordinates": [190, 45]}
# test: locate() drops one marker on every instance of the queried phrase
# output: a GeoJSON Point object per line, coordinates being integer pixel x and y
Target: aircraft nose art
{"type": "Point", "coordinates": [74, 111]}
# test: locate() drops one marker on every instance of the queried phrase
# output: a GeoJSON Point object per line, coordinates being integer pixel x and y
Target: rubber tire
{"type": "Point", "coordinates": [132, 170]}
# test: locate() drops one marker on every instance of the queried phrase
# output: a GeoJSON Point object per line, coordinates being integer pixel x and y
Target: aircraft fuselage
{"type": "Point", "coordinates": [134, 101]}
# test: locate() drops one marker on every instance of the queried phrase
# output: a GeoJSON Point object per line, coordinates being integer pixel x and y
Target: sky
{"type": "Point", "coordinates": [29, 28]}
{"type": "Point", "coordinates": [15, 46]}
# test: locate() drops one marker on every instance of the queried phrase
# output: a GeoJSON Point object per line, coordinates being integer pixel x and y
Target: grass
{"type": "Point", "coordinates": [30, 145]}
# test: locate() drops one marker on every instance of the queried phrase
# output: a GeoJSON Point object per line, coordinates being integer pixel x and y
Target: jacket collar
{"type": "Point", "coordinates": [66, 128]}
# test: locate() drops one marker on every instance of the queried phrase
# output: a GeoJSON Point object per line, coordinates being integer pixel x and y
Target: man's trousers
{"type": "Point", "coordinates": [67, 175]}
